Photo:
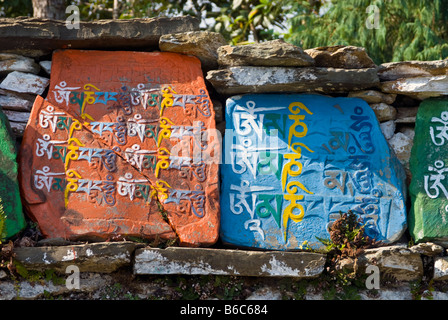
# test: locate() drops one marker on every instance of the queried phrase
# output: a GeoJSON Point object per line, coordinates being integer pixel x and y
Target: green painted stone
{"type": "Point", "coordinates": [428, 217]}
{"type": "Point", "coordinates": [9, 186]}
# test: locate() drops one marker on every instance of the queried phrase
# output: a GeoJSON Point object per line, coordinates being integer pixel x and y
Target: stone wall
{"type": "Point", "coordinates": [390, 89]}
{"type": "Point", "coordinates": [394, 91]}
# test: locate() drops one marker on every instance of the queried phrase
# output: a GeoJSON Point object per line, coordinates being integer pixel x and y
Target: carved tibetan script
{"type": "Point", "coordinates": [124, 144]}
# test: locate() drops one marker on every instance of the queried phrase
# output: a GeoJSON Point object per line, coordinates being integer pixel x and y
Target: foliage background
{"type": "Point", "coordinates": [404, 29]}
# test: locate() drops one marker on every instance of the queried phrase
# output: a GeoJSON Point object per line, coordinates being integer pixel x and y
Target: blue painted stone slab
{"type": "Point", "coordinates": [294, 162]}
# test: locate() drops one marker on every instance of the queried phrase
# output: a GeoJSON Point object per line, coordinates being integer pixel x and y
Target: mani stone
{"type": "Point", "coordinates": [428, 165]}
{"type": "Point", "coordinates": [124, 145]}
{"type": "Point", "coordinates": [9, 185]}
{"type": "Point", "coordinates": [275, 53]}
{"type": "Point", "coordinates": [293, 163]}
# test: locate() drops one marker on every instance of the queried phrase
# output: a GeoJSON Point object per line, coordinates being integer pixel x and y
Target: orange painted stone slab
{"type": "Point", "coordinates": [125, 144]}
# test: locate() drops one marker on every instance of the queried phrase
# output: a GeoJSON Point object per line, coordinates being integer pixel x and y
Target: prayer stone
{"type": "Point", "coordinates": [428, 165]}
{"type": "Point", "coordinates": [294, 163]}
{"type": "Point", "coordinates": [124, 145]}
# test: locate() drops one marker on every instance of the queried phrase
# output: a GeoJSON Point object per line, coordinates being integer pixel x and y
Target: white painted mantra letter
{"type": "Point", "coordinates": [436, 179]}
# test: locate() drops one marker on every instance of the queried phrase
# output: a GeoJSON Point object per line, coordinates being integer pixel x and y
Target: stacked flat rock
{"type": "Point", "coordinates": [123, 146]}
{"type": "Point", "coordinates": [428, 164]}
{"type": "Point", "coordinates": [270, 53]}
{"type": "Point", "coordinates": [18, 88]}
{"type": "Point", "coordinates": [347, 57]}
{"type": "Point", "coordinates": [417, 79]}
{"type": "Point", "coordinates": [36, 37]}
{"type": "Point", "coordinates": [277, 66]}
{"type": "Point", "coordinates": [201, 44]}
{"type": "Point", "coordinates": [294, 163]}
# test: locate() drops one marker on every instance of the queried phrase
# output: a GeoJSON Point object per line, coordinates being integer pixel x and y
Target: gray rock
{"type": "Point", "coordinates": [384, 112]}
{"type": "Point", "coordinates": [219, 111]}
{"type": "Point", "coordinates": [427, 248]}
{"type": "Point", "coordinates": [347, 57]}
{"type": "Point", "coordinates": [8, 290]}
{"type": "Point", "coordinates": [409, 69]}
{"type": "Point", "coordinates": [421, 87]}
{"type": "Point", "coordinates": [388, 129]}
{"type": "Point", "coordinates": [25, 290]}
{"type": "Point", "coordinates": [373, 96]}
{"type": "Point", "coordinates": [14, 62]}
{"type": "Point", "coordinates": [250, 79]}
{"type": "Point", "coordinates": [265, 293]}
{"type": "Point", "coordinates": [15, 103]}
{"type": "Point", "coordinates": [18, 128]}
{"type": "Point", "coordinates": [54, 242]}
{"type": "Point", "coordinates": [200, 261]}
{"type": "Point", "coordinates": [402, 146]}
{"type": "Point", "coordinates": [25, 96]}
{"type": "Point", "coordinates": [401, 263]}
{"type": "Point", "coordinates": [46, 65]}
{"type": "Point", "coordinates": [406, 115]}
{"type": "Point", "coordinates": [24, 82]}
{"type": "Point", "coordinates": [440, 268]}
{"type": "Point", "coordinates": [436, 295]}
{"type": "Point", "coordinates": [201, 44]}
{"type": "Point", "coordinates": [402, 292]}
{"type": "Point", "coordinates": [275, 53]}
{"type": "Point", "coordinates": [3, 274]}
{"type": "Point", "coordinates": [102, 257]}
{"type": "Point", "coordinates": [17, 116]}
{"type": "Point", "coordinates": [408, 131]}
{"type": "Point", "coordinates": [30, 291]}
{"type": "Point", "coordinates": [37, 37]}
{"type": "Point", "coordinates": [406, 120]}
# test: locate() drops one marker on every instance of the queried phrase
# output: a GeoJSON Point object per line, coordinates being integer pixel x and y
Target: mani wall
{"type": "Point", "coordinates": [154, 129]}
